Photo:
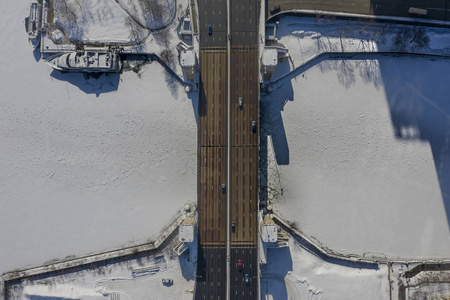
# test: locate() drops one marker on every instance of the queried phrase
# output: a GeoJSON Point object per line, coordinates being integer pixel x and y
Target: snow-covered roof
{"type": "Point", "coordinates": [269, 231]}
{"type": "Point", "coordinates": [186, 233]}
{"type": "Point", "coordinates": [187, 230]}
{"type": "Point", "coordinates": [269, 57]}
{"type": "Point", "coordinates": [188, 58]}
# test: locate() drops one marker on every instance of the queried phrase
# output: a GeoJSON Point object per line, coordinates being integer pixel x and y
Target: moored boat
{"type": "Point", "coordinates": [34, 24]}
{"type": "Point", "coordinates": [86, 62]}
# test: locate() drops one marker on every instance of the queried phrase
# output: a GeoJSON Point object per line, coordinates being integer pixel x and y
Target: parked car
{"type": "Point", "coordinates": [167, 281]}
{"type": "Point", "coordinates": [241, 102]}
{"type": "Point", "coordinates": [240, 265]}
{"type": "Point", "coordinates": [233, 227]}
{"type": "Point", "coordinates": [209, 29]}
{"type": "Point", "coordinates": [254, 126]}
{"type": "Point", "coordinates": [247, 279]}
{"type": "Point", "coordinates": [224, 188]}
{"type": "Point", "coordinates": [275, 9]}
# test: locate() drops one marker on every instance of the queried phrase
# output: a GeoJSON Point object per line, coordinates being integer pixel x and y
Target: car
{"type": "Point", "coordinates": [254, 126]}
{"type": "Point", "coordinates": [241, 102]}
{"type": "Point", "coordinates": [224, 188]}
{"type": "Point", "coordinates": [240, 265]}
{"type": "Point", "coordinates": [233, 227]}
{"type": "Point", "coordinates": [247, 279]}
{"type": "Point", "coordinates": [167, 281]}
{"type": "Point", "coordinates": [209, 29]}
{"type": "Point", "coordinates": [275, 9]}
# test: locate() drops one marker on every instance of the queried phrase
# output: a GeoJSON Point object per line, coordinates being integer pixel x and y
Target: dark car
{"type": "Point", "coordinates": [247, 279]}
{"type": "Point", "coordinates": [274, 10]}
{"type": "Point", "coordinates": [240, 265]}
{"type": "Point", "coordinates": [254, 126]}
{"type": "Point", "coordinates": [241, 102]}
{"type": "Point", "coordinates": [209, 29]}
{"type": "Point", "coordinates": [233, 227]}
{"type": "Point", "coordinates": [224, 188]}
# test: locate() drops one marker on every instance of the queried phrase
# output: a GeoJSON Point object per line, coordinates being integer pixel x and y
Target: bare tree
{"type": "Point", "coordinates": [168, 57]}
{"type": "Point", "coordinates": [346, 73]}
{"type": "Point", "coordinates": [416, 38]}
{"type": "Point", "coordinates": [136, 32]}
{"type": "Point", "coordinates": [154, 13]}
{"type": "Point", "coordinates": [420, 38]}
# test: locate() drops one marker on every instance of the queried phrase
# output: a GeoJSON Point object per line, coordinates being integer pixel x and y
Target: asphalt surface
{"type": "Point", "coordinates": [213, 147]}
{"type": "Point", "coordinates": [213, 13]}
{"type": "Point", "coordinates": [244, 159]}
{"type": "Point", "coordinates": [436, 9]}
{"type": "Point", "coordinates": [211, 273]}
{"type": "Point", "coordinates": [212, 158]}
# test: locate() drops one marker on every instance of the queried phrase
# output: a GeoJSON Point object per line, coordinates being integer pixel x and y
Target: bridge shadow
{"type": "Point", "coordinates": [90, 83]}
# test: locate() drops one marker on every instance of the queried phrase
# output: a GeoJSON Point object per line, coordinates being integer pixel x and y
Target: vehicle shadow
{"type": "Point", "coordinates": [90, 83]}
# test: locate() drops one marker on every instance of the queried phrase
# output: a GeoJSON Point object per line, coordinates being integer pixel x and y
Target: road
{"type": "Point", "coordinates": [215, 146]}
{"type": "Point", "coordinates": [244, 158]}
{"type": "Point", "coordinates": [436, 9]}
{"type": "Point", "coordinates": [212, 157]}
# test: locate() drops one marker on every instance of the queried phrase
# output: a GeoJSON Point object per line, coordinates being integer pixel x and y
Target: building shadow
{"type": "Point", "coordinates": [90, 83]}
{"type": "Point", "coordinates": [279, 265]}
{"type": "Point", "coordinates": [271, 124]}
{"type": "Point", "coordinates": [417, 92]}
{"type": "Point", "coordinates": [194, 97]}
{"type": "Point", "coordinates": [272, 106]}
{"type": "Point", "coordinates": [187, 268]}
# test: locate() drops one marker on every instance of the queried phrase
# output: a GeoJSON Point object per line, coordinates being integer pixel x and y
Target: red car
{"type": "Point", "coordinates": [239, 265]}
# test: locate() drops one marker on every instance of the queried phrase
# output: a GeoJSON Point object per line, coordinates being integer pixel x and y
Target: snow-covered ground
{"type": "Point", "coordinates": [138, 278]}
{"type": "Point", "coordinates": [294, 273]}
{"type": "Point", "coordinates": [89, 164]}
{"type": "Point", "coordinates": [363, 152]}
{"type": "Point", "coordinates": [307, 37]}
{"type": "Point", "coordinates": [86, 164]}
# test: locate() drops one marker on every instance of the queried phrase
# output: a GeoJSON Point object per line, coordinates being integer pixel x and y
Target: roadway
{"type": "Point", "coordinates": [244, 146]}
{"type": "Point", "coordinates": [436, 9]}
{"type": "Point", "coordinates": [212, 152]}
{"type": "Point", "coordinates": [215, 146]}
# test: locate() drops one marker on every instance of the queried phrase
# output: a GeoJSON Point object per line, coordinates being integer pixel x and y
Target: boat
{"type": "Point", "coordinates": [91, 62]}
{"type": "Point", "coordinates": [34, 24]}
